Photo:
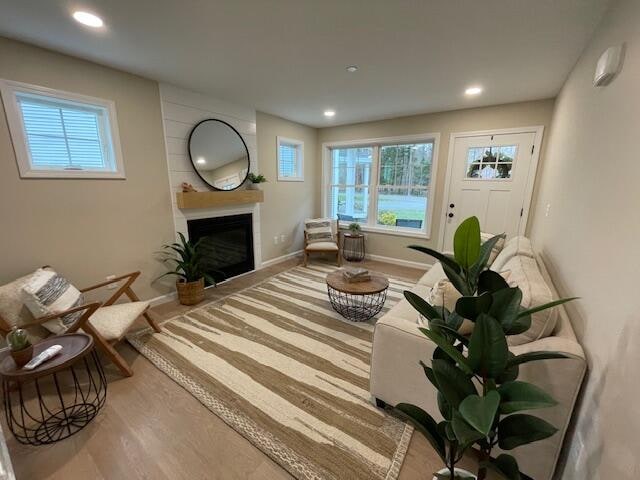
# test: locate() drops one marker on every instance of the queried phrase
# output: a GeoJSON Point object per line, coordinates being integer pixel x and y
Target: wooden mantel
{"type": "Point", "coordinates": [218, 198]}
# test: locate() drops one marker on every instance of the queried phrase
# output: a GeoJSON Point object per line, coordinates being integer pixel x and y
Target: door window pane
{"type": "Point", "coordinates": [490, 163]}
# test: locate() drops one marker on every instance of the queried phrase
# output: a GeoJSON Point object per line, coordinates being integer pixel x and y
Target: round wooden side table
{"type": "Point", "coordinates": [57, 398]}
{"type": "Point", "coordinates": [353, 247]}
{"type": "Point", "coordinates": [358, 301]}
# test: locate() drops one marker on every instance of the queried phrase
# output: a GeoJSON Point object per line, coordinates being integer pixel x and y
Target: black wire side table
{"type": "Point", "coordinates": [359, 301]}
{"type": "Point", "coordinates": [353, 247]}
{"type": "Point", "coordinates": [58, 398]}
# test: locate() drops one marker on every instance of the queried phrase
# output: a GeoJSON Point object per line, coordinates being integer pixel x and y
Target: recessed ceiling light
{"type": "Point", "coordinates": [201, 160]}
{"type": "Point", "coordinates": [473, 91]}
{"type": "Point", "coordinates": [329, 113]}
{"type": "Point", "coordinates": [88, 19]}
{"type": "Point", "coordinates": [352, 68]}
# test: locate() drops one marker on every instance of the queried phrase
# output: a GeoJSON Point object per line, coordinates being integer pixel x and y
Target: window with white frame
{"type": "Point", "coordinates": [290, 160]}
{"type": "Point", "coordinates": [384, 186]}
{"type": "Point", "coordinates": [60, 135]}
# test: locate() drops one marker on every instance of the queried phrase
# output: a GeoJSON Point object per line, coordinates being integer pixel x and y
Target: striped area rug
{"type": "Point", "coordinates": [277, 364]}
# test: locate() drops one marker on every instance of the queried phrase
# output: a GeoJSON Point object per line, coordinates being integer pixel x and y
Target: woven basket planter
{"type": "Point", "coordinates": [190, 293]}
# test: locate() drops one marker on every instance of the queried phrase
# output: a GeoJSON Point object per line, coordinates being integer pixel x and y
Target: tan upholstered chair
{"type": "Point", "coordinates": [106, 322]}
{"type": "Point", "coordinates": [330, 246]}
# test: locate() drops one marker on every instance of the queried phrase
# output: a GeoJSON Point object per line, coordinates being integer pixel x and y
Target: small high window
{"type": "Point", "coordinates": [290, 160]}
{"type": "Point", "coordinates": [60, 135]}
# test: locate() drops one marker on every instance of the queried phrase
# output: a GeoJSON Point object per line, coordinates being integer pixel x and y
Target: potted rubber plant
{"type": "Point", "coordinates": [21, 348]}
{"type": "Point", "coordinates": [479, 395]}
{"type": "Point", "coordinates": [186, 263]}
{"type": "Point", "coordinates": [255, 181]}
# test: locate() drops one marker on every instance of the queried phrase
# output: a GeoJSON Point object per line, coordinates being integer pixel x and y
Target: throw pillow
{"type": "Point", "coordinates": [445, 294]}
{"type": "Point", "coordinates": [497, 248]}
{"type": "Point", "coordinates": [318, 230]}
{"type": "Point", "coordinates": [48, 292]}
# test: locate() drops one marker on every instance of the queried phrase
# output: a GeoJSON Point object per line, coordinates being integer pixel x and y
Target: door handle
{"type": "Point", "coordinates": [451, 215]}
{"type": "Point", "coordinates": [451, 205]}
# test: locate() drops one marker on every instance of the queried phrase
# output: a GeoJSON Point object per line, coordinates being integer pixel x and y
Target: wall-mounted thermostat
{"type": "Point", "coordinates": [608, 66]}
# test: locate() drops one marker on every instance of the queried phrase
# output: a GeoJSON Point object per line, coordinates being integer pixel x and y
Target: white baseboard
{"type": "Point", "coordinates": [282, 258]}
{"type": "Point", "coordinates": [173, 295]}
{"type": "Point", "coordinates": [398, 261]}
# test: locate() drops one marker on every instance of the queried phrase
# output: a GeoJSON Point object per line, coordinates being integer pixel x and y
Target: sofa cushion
{"type": "Point", "coordinates": [526, 275]}
{"type": "Point", "coordinates": [433, 275]}
{"type": "Point", "coordinates": [497, 248]}
{"type": "Point", "coordinates": [47, 292]}
{"type": "Point", "coordinates": [516, 246]}
{"type": "Point", "coordinates": [403, 308]}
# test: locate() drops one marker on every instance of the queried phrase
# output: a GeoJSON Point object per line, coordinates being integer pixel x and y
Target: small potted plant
{"type": "Point", "coordinates": [255, 181]}
{"type": "Point", "coordinates": [187, 266]}
{"type": "Point", "coordinates": [354, 228]}
{"type": "Point", "coordinates": [21, 348]}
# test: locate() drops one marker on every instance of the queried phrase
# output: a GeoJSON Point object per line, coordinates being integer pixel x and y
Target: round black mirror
{"type": "Point", "coordinates": [218, 154]}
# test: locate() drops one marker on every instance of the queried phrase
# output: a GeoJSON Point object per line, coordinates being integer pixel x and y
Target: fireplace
{"type": "Point", "coordinates": [227, 247]}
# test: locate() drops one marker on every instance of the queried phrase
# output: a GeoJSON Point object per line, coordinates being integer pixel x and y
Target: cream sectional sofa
{"type": "Point", "coordinates": [398, 346]}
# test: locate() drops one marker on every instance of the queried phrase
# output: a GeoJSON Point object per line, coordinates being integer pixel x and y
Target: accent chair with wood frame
{"type": "Point", "coordinates": [330, 246]}
{"type": "Point", "coordinates": [106, 322]}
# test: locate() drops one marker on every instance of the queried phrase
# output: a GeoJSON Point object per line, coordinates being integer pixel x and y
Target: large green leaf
{"type": "Point", "coordinates": [426, 425]}
{"type": "Point", "coordinates": [480, 412]}
{"type": "Point", "coordinates": [457, 280]}
{"type": "Point", "coordinates": [471, 307]}
{"type": "Point", "coordinates": [466, 242]}
{"type": "Point", "coordinates": [517, 396]}
{"type": "Point", "coordinates": [428, 372]}
{"type": "Point", "coordinates": [444, 259]}
{"type": "Point", "coordinates": [521, 429]}
{"type": "Point", "coordinates": [454, 384]}
{"type": "Point", "coordinates": [534, 356]}
{"type": "Point", "coordinates": [490, 281]}
{"type": "Point", "coordinates": [488, 351]}
{"type": "Point", "coordinates": [510, 372]}
{"type": "Point", "coordinates": [505, 466]}
{"type": "Point", "coordinates": [506, 306]}
{"type": "Point", "coordinates": [519, 325]}
{"type": "Point", "coordinates": [421, 305]}
{"type": "Point", "coordinates": [465, 433]}
{"type": "Point", "coordinates": [446, 410]}
{"type": "Point", "coordinates": [546, 306]}
{"type": "Point", "coordinates": [450, 350]}
{"type": "Point", "coordinates": [485, 254]}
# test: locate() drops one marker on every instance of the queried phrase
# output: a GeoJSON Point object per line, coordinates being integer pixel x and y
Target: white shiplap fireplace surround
{"type": "Point", "coordinates": [181, 111]}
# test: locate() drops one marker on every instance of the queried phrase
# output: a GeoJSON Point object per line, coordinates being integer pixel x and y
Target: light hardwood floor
{"type": "Point", "coordinates": [150, 428]}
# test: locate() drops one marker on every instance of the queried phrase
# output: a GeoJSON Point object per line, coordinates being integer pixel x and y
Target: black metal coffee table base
{"type": "Point", "coordinates": [54, 407]}
{"type": "Point", "coordinates": [356, 307]}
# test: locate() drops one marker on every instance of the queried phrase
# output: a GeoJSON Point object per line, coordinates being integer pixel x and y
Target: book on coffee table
{"type": "Point", "coordinates": [353, 275]}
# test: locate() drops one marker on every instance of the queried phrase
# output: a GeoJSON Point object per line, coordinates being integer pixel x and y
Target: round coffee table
{"type": "Point", "coordinates": [57, 398]}
{"type": "Point", "coordinates": [357, 301]}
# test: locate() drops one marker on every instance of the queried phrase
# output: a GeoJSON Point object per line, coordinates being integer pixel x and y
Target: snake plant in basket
{"type": "Point", "coordinates": [479, 395]}
{"type": "Point", "coordinates": [187, 265]}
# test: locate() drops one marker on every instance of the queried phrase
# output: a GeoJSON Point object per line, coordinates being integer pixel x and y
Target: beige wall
{"type": "Point", "coordinates": [501, 116]}
{"type": "Point", "coordinates": [286, 204]}
{"type": "Point", "coordinates": [87, 229]}
{"type": "Point", "coordinates": [590, 238]}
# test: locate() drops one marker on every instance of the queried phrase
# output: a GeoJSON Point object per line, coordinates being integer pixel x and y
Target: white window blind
{"type": "Point", "coordinates": [290, 160]}
{"type": "Point", "coordinates": [61, 135]}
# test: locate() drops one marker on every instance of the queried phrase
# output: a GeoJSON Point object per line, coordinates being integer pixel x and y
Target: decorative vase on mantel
{"type": "Point", "coordinates": [253, 186]}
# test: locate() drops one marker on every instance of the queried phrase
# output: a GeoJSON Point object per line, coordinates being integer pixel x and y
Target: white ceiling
{"type": "Point", "coordinates": [288, 57]}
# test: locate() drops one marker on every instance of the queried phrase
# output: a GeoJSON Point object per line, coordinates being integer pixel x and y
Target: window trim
{"type": "Point", "coordinates": [299, 144]}
{"type": "Point", "coordinates": [10, 88]}
{"type": "Point", "coordinates": [376, 143]}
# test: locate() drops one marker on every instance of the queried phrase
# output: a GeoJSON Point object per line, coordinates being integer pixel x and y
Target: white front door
{"type": "Point", "coordinates": [489, 179]}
